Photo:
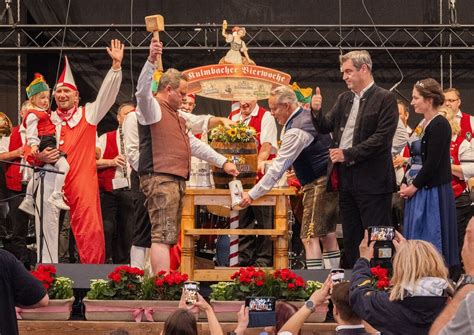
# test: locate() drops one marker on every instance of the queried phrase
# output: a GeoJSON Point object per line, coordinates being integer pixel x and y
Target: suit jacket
{"type": "Point", "coordinates": [368, 167]}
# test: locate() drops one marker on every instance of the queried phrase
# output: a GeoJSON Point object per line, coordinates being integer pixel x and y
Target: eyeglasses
{"type": "Point", "coordinates": [451, 100]}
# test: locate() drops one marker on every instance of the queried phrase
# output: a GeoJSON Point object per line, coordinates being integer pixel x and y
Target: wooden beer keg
{"type": "Point", "coordinates": [244, 156]}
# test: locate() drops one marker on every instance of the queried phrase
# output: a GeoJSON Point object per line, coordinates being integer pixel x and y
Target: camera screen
{"type": "Point", "coordinates": [337, 275]}
{"type": "Point", "coordinates": [385, 253]}
{"type": "Point", "coordinates": [260, 304]}
{"type": "Point", "coordinates": [381, 233]}
{"type": "Point", "coordinates": [191, 286]}
{"type": "Point", "coordinates": [190, 292]}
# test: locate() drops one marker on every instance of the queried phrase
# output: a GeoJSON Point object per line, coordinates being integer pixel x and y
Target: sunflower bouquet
{"type": "Point", "coordinates": [237, 133]}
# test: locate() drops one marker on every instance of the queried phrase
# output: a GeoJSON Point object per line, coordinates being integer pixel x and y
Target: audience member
{"type": "Point", "coordinates": [418, 291]}
{"type": "Point", "coordinates": [183, 320]}
{"type": "Point", "coordinates": [317, 299]}
{"type": "Point", "coordinates": [17, 288]}
{"type": "Point", "coordinates": [348, 322]}
{"type": "Point", "coordinates": [457, 317]}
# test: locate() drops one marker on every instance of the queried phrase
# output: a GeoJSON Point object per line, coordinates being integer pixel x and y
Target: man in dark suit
{"type": "Point", "coordinates": [363, 122]}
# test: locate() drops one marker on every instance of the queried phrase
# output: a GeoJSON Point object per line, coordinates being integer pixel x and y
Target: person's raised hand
{"type": "Point", "coordinates": [398, 241]}
{"type": "Point", "coordinates": [366, 250]}
{"type": "Point", "coordinates": [467, 252]}
{"type": "Point", "coordinates": [116, 53]}
{"type": "Point", "coordinates": [316, 100]}
{"type": "Point", "coordinates": [156, 48]}
{"type": "Point", "coordinates": [242, 320]}
{"type": "Point", "coordinates": [321, 296]}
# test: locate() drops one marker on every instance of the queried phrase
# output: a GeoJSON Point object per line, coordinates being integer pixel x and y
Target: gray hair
{"type": "Point", "coordinates": [284, 94]}
{"type": "Point", "coordinates": [171, 77]}
{"type": "Point", "coordinates": [358, 57]}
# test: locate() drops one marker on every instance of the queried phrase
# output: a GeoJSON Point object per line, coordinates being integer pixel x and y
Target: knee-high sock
{"type": "Point", "coordinates": [314, 264]}
{"type": "Point", "coordinates": [137, 257]}
{"type": "Point", "coordinates": [332, 259]}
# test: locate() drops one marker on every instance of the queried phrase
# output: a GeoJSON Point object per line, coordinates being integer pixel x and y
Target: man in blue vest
{"type": "Point", "coordinates": [308, 151]}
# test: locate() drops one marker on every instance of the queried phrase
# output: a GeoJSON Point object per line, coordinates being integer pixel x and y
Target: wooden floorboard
{"type": "Point", "coordinates": [144, 328]}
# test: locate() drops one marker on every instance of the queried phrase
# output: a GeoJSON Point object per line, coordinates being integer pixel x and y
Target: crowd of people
{"type": "Point", "coordinates": [358, 160]}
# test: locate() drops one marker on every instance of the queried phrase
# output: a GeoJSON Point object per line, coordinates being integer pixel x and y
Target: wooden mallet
{"type": "Point", "coordinates": [155, 24]}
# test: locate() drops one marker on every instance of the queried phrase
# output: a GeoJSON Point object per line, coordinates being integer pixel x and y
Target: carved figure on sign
{"type": "Point", "coordinates": [238, 50]}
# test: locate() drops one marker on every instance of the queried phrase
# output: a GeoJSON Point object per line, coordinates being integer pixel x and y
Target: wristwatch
{"type": "Point", "coordinates": [464, 280]}
{"type": "Point", "coordinates": [310, 305]}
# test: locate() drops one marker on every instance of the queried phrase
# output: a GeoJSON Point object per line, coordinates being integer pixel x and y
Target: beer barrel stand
{"type": "Point", "coordinates": [277, 197]}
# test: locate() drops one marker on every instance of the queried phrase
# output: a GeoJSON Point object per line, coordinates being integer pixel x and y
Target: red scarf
{"type": "Point", "coordinates": [66, 115]}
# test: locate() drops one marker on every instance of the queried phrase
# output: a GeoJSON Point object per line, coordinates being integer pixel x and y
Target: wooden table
{"type": "Point", "coordinates": [277, 197]}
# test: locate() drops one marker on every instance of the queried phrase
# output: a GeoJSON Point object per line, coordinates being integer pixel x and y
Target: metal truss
{"type": "Point", "coordinates": [207, 38]}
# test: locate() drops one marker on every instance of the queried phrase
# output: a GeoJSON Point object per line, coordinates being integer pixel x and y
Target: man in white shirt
{"type": "Point", "coordinates": [115, 195]}
{"type": "Point", "coordinates": [76, 128]}
{"type": "Point", "coordinates": [307, 151]}
{"type": "Point", "coordinates": [257, 250]}
{"type": "Point", "coordinates": [452, 99]}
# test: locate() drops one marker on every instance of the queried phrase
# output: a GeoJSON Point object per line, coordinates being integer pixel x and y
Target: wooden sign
{"type": "Point", "coordinates": [234, 81]}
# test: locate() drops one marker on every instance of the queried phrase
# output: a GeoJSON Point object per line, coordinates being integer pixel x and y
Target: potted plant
{"type": "Point", "coordinates": [228, 297]}
{"type": "Point", "coordinates": [60, 294]}
{"type": "Point", "coordinates": [130, 296]}
{"type": "Point", "coordinates": [284, 284]}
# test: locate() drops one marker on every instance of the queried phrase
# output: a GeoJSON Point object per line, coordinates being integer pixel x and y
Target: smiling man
{"type": "Point", "coordinates": [257, 250]}
{"type": "Point", "coordinates": [76, 128]}
{"type": "Point", "coordinates": [363, 122]}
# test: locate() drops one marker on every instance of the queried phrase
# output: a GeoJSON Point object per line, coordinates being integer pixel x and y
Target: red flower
{"type": "Point", "coordinates": [116, 277]}
{"type": "Point", "coordinates": [299, 282]}
{"type": "Point", "coordinates": [291, 286]}
{"type": "Point", "coordinates": [259, 282]}
{"type": "Point", "coordinates": [383, 283]}
{"type": "Point", "coordinates": [159, 282]}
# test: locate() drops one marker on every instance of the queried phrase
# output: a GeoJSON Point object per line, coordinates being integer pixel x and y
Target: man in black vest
{"type": "Point", "coordinates": [307, 150]}
{"type": "Point", "coordinates": [363, 122]}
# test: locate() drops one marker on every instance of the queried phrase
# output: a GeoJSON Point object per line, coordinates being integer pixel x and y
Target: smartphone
{"type": "Point", "coordinates": [381, 233]}
{"type": "Point", "coordinates": [337, 275]}
{"type": "Point", "coordinates": [260, 304]}
{"type": "Point", "coordinates": [191, 289]}
{"type": "Point", "coordinates": [261, 311]}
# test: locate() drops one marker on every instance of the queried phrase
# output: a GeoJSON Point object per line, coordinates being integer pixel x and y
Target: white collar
{"type": "Point", "coordinates": [459, 113]}
{"type": "Point", "coordinates": [72, 122]}
{"type": "Point", "coordinates": [22, 128]}
{"type": "Point", "coordinates": [361, 94]}
{"type": "Point", "coordinates": [253, 113]}
{"type": "Point", "coordinates": [341, 327]}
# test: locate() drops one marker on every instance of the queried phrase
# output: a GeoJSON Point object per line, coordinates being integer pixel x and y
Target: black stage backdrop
{"type": "Point", "coordinates": [307, 68]}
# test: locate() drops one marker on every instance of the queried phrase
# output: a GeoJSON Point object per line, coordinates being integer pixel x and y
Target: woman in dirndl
{"type": "Point", "coordinates": [430, 212]}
